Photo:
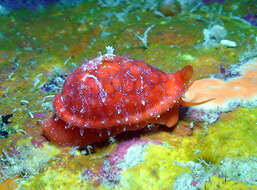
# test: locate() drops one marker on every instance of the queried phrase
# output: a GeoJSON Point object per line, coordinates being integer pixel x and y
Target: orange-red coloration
{"type": "Point", "coordinates": [111, 94]}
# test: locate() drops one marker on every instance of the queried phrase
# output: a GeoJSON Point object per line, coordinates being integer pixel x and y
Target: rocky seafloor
{"type": "Point", "coordinates": [213, 146]}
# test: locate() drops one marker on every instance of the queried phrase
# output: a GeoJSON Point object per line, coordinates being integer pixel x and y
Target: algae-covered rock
{"type": "Point", "coordinates": [234, 136]}
{"type": "Point", "coordinates": [217, 183]}
{"type": "Point", "coordinates": [61, 179]}
{"type": "Point", "coordinates": [159, 168]}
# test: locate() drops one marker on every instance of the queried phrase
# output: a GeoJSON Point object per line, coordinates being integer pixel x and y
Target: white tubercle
{"type": "Point", "coordinates": [109, 50]}
{"type": "Point", "coordinates": [109, 53]}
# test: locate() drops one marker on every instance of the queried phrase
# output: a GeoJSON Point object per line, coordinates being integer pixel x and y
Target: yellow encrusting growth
{"type": "Point", "coordinates": [234, 136]}
{"type": "Point", "coordinates": [159, 169]}
{"type": "Point", "coordinates": [61, 179]}
{"type": "Point", "coordinates": [217, 183]}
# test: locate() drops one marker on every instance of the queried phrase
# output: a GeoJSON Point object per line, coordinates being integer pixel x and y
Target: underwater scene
{"type": "Point", "coordinates": [128, 94]}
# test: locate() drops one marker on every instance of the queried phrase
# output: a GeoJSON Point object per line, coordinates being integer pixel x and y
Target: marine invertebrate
{"type": "Point", "coordinates": [228, 94]}
{"type": "Point", "coordinates": [111, 94]}
{"type": "Point", "coordinates": [143, 39]}
{"type": "Point", "coordinates": [213, 35]}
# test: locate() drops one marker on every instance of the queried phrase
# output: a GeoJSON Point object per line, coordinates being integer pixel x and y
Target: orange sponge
{"type": "Point", "coordinates": [228, 94]}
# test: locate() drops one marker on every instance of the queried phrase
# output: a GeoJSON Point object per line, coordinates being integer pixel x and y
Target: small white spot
{"type": "Point", "coordinates": [151, 114]}
{"type": "Point", "coordinates": [157, 117]}
{"type": "Point", "coordinates": [89, 149]}
{"type": "Point", "coordinates": [100, 134]}
{"type": "Point", "coordinates": [109, 132]}
{"type": "Point", "coordinates": [191, 124]}
{"type": "Point", "coordinates": [124, 129]}
{"type": "Point", "coordinates": [66, 127]}
{"type": "Point", "coordinates": [142, 83]}
{"type": "Point", "coordinates": [103, 121]}
{"type": "Point", "coordinates": [81, 132]}
{"type": "Point", "coordinates": [119, 111]}
{"type": "Point", "coordinates": [118, 121]}
{"type": "Point", "coordinates": [111, 140]}
{"type": "Point", "coordinates": [129, 74]}
{"type": "Point", "coordinates": [62, 99]}
{"type": "Point", "coordinates": [228, 43]}
{"type": "Point", "coordinates": [150, 125]}
{"type": "Point", "coordinates": [82, 110]}
{"type": "Point", "coordinates": [126, 119]}
{"type": "Point", "coordinates": [62, 109]}
{"type": "Point", "coordinates": [56, 118]}
{"type": "Point", "coordinates": [109, 49]}
{"type": "Point", "coordinates": [237, 87]}
{"type": "Point", "coordinates": [143, 102]}
{"type": "Point", "coordinates": [84, 67]}
{"type": "Point", "coordinates": [136, 119]}
{"type": "Point", "coordinates": [82, 86]}
{"type": "Point", "coordinates": [161, 102]}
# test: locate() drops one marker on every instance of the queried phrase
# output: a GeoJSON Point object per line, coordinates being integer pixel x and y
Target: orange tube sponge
{"type": "Point", "coordinates": [228, 94]}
